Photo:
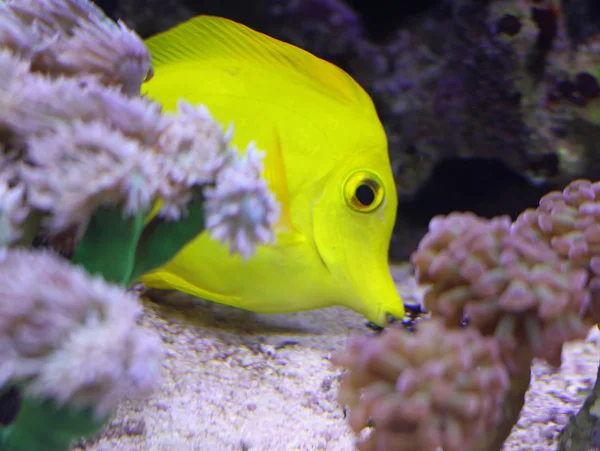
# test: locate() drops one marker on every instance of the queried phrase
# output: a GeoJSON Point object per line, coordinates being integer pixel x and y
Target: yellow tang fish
{"type": "Point", "coordinates": [326, 162]}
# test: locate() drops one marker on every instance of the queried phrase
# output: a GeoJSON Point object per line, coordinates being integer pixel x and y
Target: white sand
{"type": "Point", "coordinates": [239, 381]}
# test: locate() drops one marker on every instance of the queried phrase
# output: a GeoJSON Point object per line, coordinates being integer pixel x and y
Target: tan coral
{"type": "Point", "coordinates": [432, 388]}
{"type": "Point", "coordinates": [570, 222]}
{"type": "Point", "coordinates": [504, 284]}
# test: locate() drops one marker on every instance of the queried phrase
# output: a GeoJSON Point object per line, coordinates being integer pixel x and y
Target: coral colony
{"type": "Point", "coordinates": [83, 154]}
{"type": "Point", "coordinates": [500, 294]}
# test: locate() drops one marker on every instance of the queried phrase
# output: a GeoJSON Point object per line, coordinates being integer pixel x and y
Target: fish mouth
{"type": "Point", "coordinates": [414, 312]}
{"type": "Point", "coordinates": [389, 319]}
{"type": "Point", "coordinates": [374, 327]}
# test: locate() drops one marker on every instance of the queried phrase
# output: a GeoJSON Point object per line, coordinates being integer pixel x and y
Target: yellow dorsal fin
{"type": "Point", "coordinates": [221, 42]}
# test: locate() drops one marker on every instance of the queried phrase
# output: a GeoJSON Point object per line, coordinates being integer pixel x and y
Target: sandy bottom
{"type": "Point", "coordinates": [239, 381]}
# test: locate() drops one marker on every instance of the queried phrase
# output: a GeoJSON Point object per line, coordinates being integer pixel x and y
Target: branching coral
{"type": "Point", "coordinates": [74, 37]}
{"type": "Point", "coordinates": [523, 288]}
{"type": "Point", "coordinates": [503, 284]}
{"type": "Point", "coordinates": [70, 350]}
{"type": "Point", "coordinates": [83, 156]}
{"type": "Point", "coordinates": [435, 387]}
{"type": "Point", "coordinates": [81, 166]}
{"type": "Point", "coordinates": [240, 212]}
{"type": "Point", "coordinates": [70, 337]}
{"type": "Point", "coordinates": [515, 81]}
{"type": "Point", "coordinates": [103, 148]}
{"type": "Point", "coordinates": [194, 151]}
{"type": "Point", "coordinates": [569, 221]}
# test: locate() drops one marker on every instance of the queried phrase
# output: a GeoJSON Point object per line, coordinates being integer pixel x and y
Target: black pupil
{"type": "Point", "coordinates": [365, 194]}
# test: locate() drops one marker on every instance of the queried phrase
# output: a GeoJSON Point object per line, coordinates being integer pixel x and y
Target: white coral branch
{"type": "Point", "coordinates": [191, 150]}
{"type": "Point", "coordinates": [240, 209]}
{"type": "Point", "coordinates": [88, 144]}
{"type": "Point", "coordinates": [71, 337]}
{"type": "Point", "coordinates": [75, 37]}
{"type": "Point", "coordinates": [82, 166]}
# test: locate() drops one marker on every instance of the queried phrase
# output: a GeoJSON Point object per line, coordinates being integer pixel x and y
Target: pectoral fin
{"type": "Point", "coordinates": [165, 280]}
{"type": "Point", "coordinates": [276, 175]}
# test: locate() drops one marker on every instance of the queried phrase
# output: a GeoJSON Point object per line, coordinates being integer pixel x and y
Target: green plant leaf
{"type": "Point", "coordinates": [109, 244]}
{"type": "Point", "coordinates": [161, 240]}
{"type": "Point", "coordinates": [42, 425]}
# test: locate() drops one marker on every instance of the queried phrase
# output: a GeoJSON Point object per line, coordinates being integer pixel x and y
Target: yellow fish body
{"type": "Point", "coordinates": [326, 161]}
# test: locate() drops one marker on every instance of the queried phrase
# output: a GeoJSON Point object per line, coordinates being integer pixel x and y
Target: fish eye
{"type": "Point", "coordinates": [364, 192]}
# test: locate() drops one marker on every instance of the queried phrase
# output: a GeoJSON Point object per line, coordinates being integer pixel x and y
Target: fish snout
{"type": "Point", "coordinates": [393, 314]}
{"type": "Point", "coordinates": [381, 302]}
